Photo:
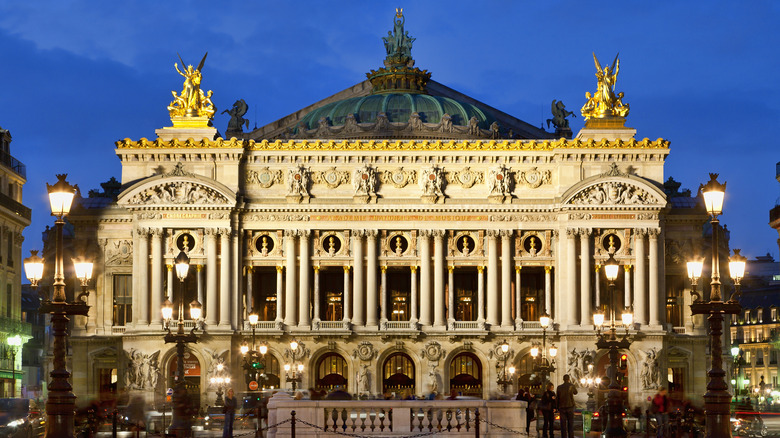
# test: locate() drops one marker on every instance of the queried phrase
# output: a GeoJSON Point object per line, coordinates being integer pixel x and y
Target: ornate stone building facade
{"type": "Point", "coordinates": [400, 232]}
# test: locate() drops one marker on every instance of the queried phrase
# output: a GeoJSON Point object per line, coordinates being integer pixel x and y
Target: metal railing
{"type": "Point", "coordinates": [13, 163]}
{"type": "Point", "coordinates": [15, 207]}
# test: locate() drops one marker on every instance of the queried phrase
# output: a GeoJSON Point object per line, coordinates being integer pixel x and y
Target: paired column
{"type": "Point", "coordinates": [143, 277]}
{"type": "Point", "coordinates": [571, 278]}
{"type": "Point", "coordinates": [481, 295]}
{"type": "Point", "coordinates": [627, 291]}
{"type": "Point", "coordinates": [640, 294]}
{"type": "Point", "coordinates": [250, 304]}
{"type": "Point", "coordinates": [372, 291]}
{"type": "Point", "coordinates": [597, 282]}
{"type": "Point", "coordinates": [586, 299]}
{"type": "Point", "coordinates": [451, 296]}
{"type": "Point", "coordinates": [548, 290]}
{"type": "Point", "coordinates": [304, 300]}
{"type": "Point", "coordinates": [518, 296]}
{"type": "Point", "coordinates": [358, 289]}
{"type": "Point", "coordinates": [347, 302]}
{"type": "Point", "coordinates": [438, 279]}
{"type": "Point", "coordinates": [425, 278]}
{"type": "Point", "coordinates": [157, 280]}
{"type": "Point", "coordinates": [506, 278]}
{"type": "Point", "coordinates": [492, 279]}
{"type": "Point", "coordinates": [279, 293]}
{"type": "Point", "coordinates": [413, 317]}
{"type": "Point", "coordinates": [383, 296]}
{"type": "Point", "coordinates": [225, 290]}
{"type": "Point", "coordinates": [211, 277]}
{"type": "Point", "coordinates": [290, 316]}
{"type": "Point", "coordinates": [316, 318]}
{"type": "Point", "coordinates": [654, 292]}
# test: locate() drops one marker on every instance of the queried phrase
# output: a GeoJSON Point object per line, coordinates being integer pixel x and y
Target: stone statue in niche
{"type": "Point", "coordinates": [142, 371]}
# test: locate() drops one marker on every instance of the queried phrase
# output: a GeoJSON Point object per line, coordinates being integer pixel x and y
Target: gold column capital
{"type": "Point", "coordinates": [316, 268]}
{"type": "Point", "coordinates": [249, 269]}
{"type": "Point", "coordinates": [279, 269]}
{"type": "Point", "coordinates": [450, 269]}
{"type": "Point", "coordinates": [347, 268]}
{"type": "Point", "coordinates": [413, 268]}
{"type": "Point", "coordinates": [480, 269]}
{"type": "Point", "coordinates": [518, 268]}
{"type": "Point", "coordinates": [547, 269]}
{"type": "Point", "coordinates": [170, 267]}
{"type": "Point", "coordinates": [627, 267]}
{"type": "Point", "coordinates": [597, 267]}
{"type": "Point", "coordinates": [199, 267]}
{"type": "Point", "coordinates": [383, 268]}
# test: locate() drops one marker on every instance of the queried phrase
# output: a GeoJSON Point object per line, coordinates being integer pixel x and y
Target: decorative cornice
{"type": "Point", "coordinates": [175, 143]}
{"type": "Point", "coordinates": [424, 145]}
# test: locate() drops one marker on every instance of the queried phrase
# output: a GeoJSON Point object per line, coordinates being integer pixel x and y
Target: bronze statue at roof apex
{"type": "Point", "coordinates": [398, 43]}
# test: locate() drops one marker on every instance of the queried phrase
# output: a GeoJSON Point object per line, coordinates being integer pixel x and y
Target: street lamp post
{"type": "Point", "coordinates": [61, 402]}
{"type": "Point", "coordinates": [590, 383]}
{"type": "Point", "coordinates": [543, 364]}
{"type": "Point", "coordinates": [293, 373]}
{"type": "Point", "coordinates": [717, 400]}
{"type": "Point", "coordinates": [610, 341]}
{"type": "Point", "coordinates": [254, 359]}
{"type": "Point", "coordinates": [739, 362]}
{"type": "Point", "coordinates": [14, 342]}
{"type": "Point", "coordinates": [180, 425]}
{"type": "Point", "coordinates": [219, 381]}
{"type": "Point", "coordinates": [506, 375]}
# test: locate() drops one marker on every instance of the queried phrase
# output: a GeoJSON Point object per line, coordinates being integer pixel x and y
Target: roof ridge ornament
{"type": "Point", "coordinates": [605, 109]}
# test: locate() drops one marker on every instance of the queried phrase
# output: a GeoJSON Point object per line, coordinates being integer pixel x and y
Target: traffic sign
{"type": "Point", "coordinates": [169, 391]}
{"type": "Point", "coordinates": [253, 385]}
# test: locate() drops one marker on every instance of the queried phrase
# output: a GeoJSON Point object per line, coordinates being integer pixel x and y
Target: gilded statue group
{"type": "Point", "coordinates": [604, 103]}
{"type": "Point", "coordinates": [192, 102]}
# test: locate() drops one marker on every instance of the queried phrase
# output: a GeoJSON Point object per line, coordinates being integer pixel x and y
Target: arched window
{"type": "Point", "coordinates": [526, 377]}
{"type": "Point", "coordinates": [272, 372]}
{"type": "Point", "coordinates": [398, 374]}
{"type": "Point", "coordinates": [466, 375]}
{"type": "Point", "coordinates": [332, 371]}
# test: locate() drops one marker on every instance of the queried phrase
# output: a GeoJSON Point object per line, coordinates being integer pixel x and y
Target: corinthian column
{"type": "Point", "coordinates": [358, 289]}
{"type": "Point", "coordinates": [654, 292]}
{"type": "Point", "coordinates": [347, 302]}
{"type": "Point", "coordinates": [250, 305]}
{"type": "Point", "coordinates": [211, 277]}
{"type": "Point", "coordinates": [640, 294]}
{"type": "Point", "coordinates": [481, 295]}
{"type": "Point", "coordinates": [438, 279]}
{"type": "Point", "coordinates": [548, 290]}
{"type": "Point", "coordinates": [627, 292]}
{"type": "Point", "coordinates": [425, 278]}
{"type": "Point", "coordinates": [518, 297]}
{"type": "Point", "coordinates": [279, 294]}
{"type": "Point", "coordinates": [290, 317]}
{"type": "Point", "coordinates": [143, 276]}
{"type": "Point", "coordinates": [492, 279]}
{"type": "Point", "coordinates": [383, 295]}
{"type": "Point", "coordinates": [571, 277]}
{"type": "Point", "coordinates": [451, 296]}
{"type": "Point", "coordinates": [317, 317]}
{"type": "Point", "coordinates": [506, 278]}
{"type": "Point", "coordinates": [372, 291]}
{"type": "Point", "coordinates": [225, 289]}
{"type": "Point", "coordinates": [413, 315]}
{"type": "Point", "coordinates": [304, 303]}
{"type": "Point", "coordinates": [157, 280]}
{"type": "Point", "coordinates": [586, 299]}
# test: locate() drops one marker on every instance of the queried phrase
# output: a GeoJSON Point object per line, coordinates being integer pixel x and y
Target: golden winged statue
{"type": "Point", "coordinates": [192, 102]}
{"type": "Point", "coordinates": [604, 103]}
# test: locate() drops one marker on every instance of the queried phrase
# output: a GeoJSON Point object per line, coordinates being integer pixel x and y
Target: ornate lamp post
{"type": "Point", "coordinates": [293, 373]}
{"type": "Point", "coordinates": [14, 342]}
{"type": "Point", "coordinates": [180, 426]}
{"type": "Point", "coordinates": [544, 365]}
{"type": "Point", "coordinates": [717, 399]}
{"type": "Point", "coordinates": [254, 359]}
{"type": "Point", "coordinates": [590, 383]}
{"type": "Point", "coordinates": [506, 375]}
{"type": "Point", "coordinates": [61, 402]}
{"type": "Point", "coordinates": [610, 341]}
{"type": "Point", "coordinates": [219, 381]}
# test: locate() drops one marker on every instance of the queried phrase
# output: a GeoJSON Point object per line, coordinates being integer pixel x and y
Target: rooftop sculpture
{"type": "Point", "coordinates": [604, 104]}
{"type": "Point", "coordinates": [192, 102]}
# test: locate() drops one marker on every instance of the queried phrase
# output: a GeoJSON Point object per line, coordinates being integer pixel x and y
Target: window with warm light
{"type": "Point", "coordinates": [123, 299]}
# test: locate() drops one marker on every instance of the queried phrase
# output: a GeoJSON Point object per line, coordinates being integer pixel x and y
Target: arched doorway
{"type": "Point", "coordinates": [398, 374]}
{"type": "Point", "coordinates": [602, 365]}
{"type": "Point", "coordinates": [466, 374]}
{"type": "Point", "coordinates": [332, 371]}
{"type": "Point", "coordinates": [266, 373]}
{"type": "Point", "coordinates": [191, 375]}
{"type": "Point", "coordinates": [526, 377]}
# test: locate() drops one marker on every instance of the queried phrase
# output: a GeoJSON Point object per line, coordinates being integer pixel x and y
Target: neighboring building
{"type": "Point", "coordinates": [398, 225]}
{"type": "Point", "coordinates": [14, 218]}
{"type": "Point", "coordinates": [34, 352]}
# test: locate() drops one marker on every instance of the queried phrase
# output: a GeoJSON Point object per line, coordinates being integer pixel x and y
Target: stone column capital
{"type": "Point", "coordinates": [653, 233]}
{"type": "Point", "coordinates": [156, 232]}
{"type": "Point", "coordinates": [585, 233]}
{"type": "Point", "coordinates": [493, 233]}
{"type": "Point", "coordinates": [640, 232]}
{"type": "Point", "coordinates": [571, 233]}
{"type": "Point", "coordinates": [371, 234]}
{"type": "Point", "coordinates": [506, 234]}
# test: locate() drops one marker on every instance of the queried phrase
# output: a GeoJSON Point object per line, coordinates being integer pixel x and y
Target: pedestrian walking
{"type": "Point", "coordinates": [565, 394]}
{"type": "Point", "coordinates": [660, 408]}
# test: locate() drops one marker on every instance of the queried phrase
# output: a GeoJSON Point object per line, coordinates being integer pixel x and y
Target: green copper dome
{"type": "Point", "coordinates": [398, 107]}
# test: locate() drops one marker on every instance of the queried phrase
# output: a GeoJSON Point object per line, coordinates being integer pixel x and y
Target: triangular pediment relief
{"type": "Point", "coordinates": [177, 188]}
{"type": "Point", "coordinates": [614, 189]}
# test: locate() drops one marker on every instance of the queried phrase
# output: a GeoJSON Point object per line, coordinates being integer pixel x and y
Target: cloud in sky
{"type": "Point", "coordinates": [79, 75]}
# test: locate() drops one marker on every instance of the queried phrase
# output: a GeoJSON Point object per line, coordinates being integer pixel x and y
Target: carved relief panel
{"type": "Point", "coordinates": [466, 243]}
{"type": "Point", "coordinates": [534, 244]}
{"type": "Point", "coordinates": [189, 241]}
{"type": "Point", "coordinates": [264, 244]}
{"type": "Point", "coordinates": [398, 244]}
{"type": "Point", "coordinates": [331, 243]}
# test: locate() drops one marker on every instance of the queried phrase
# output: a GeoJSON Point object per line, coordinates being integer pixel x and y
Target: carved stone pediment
{"type": "Point", "coordinates": [613, 193]}
{"type": "Point", "coordinates": [178, 192]}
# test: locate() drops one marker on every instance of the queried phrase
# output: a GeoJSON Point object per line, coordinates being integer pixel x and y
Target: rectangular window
{"type": "Point", "coordinates": [123, 299]}
{"type": "Point", "coordinates": [774, 314]}
{"type": "Point", "coordinates": [747, 316]}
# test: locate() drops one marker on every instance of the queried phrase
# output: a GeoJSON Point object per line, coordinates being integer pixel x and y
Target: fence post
{"type": "Point", "coordinates": [476, 423]}
{"type": "Point", "coordinates": [113, 424]}
{"type": "Point", "coordinates": [292, 424]}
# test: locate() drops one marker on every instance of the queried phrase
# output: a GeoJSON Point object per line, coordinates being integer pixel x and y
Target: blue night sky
{"type": "Point", "coordinates": [78, 75]}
